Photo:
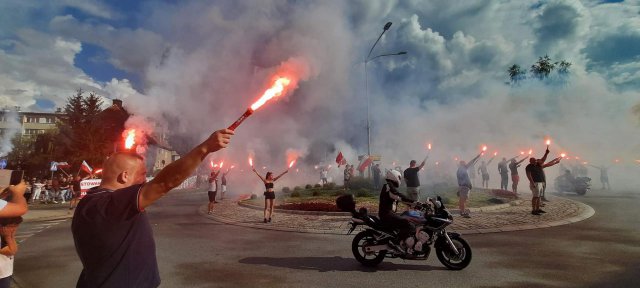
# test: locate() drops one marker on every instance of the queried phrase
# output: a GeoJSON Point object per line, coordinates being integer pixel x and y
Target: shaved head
{"type": "Point", "coordinates": [123, 169]}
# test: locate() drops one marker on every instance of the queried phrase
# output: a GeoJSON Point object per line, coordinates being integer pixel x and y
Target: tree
{"type": "Point", "coordinates": [543, 67]}
{"type": "Point", "coordinates": [81, 134]}
{"type": "Point", "coordinates": [515, 73]}
{"type": "Point", "coordinates": [564, 67]}
{"type": "Point", "coordinates": [541, 70]}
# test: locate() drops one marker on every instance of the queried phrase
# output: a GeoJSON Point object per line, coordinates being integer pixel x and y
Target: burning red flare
{"type": "Point", "coordinates": [548, 142]}
{"type": "Point", "coordinates": [484, 148]}
{"type": "Point", "coordinates": [495, 154]}
{"type": "Point", "coordinates": [291, 164]}
{"type": "Point", "coordinates": [530, 151]}
{"type": "Point", "coordinates": [429, 146]}
{"type": "Point", "coordinates": [563, 155]}
{"type": "Point", "coordinates": [130, 139]}
{"type": "Point", "coordinates": [250, 162]}
{"type": "Point", "coordinates": [276, 90]}
{"type": "Point", "coordinates": [98, 171]}
{"type": "Point", "coordinates": [221, 163]}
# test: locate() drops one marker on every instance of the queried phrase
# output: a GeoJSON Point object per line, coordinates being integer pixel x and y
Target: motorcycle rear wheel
{"type": "Point", "coordinates": [371, 259]}
{"type": "Point", "coordinates": [455, 261]}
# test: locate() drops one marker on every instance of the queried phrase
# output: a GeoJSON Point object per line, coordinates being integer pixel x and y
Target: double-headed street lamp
{"type": "Point", "coordinates": [366, 84]}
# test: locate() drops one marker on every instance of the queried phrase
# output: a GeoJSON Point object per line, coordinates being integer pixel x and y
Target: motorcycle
{"type": "Point", "coordinates": [579, 185]}
{"type": "Point", "coordinates": [378, 241]}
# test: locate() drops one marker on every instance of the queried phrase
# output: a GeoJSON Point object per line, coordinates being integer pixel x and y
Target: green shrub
{"type": "Point", "coordinates": [295, 193]}
{"type": "Point", "coordinates": [308, 186]}
{"type": "Point", "coordinates": [362, 192]}
{"type": "Point", "coordinates": [315, 193]}
{"type": "Point", "coordinates": [330, 186]}
{"type": "Point", "coordinates": [297, 189]}
{"type": "Point", "coordinates": [317, 186]}
{"type": "Point", "coordinates": [253, 196]}
{"type": "Point", "coordinates": [337, 193]}
{"type": "Point", "coordinates": [357, 183]}
{"type": "Point", "coordinates": [286, 189]}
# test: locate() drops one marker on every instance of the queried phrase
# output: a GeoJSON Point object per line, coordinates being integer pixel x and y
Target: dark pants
{"type": "Point", "coordinates": [504, 181]}
{"type": "Point", "coordinates": [5, 282]}
{"type": "Point", "coordinates": [405, 228]}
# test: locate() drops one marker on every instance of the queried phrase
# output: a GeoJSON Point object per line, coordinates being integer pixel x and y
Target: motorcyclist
{"type": "Point", "coordinates": [388, 196]}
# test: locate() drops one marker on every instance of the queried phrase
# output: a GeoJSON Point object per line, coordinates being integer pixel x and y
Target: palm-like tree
{"type": "Point", "coordinates": [543, 67]}
{"type": "Point", "coordinates": [515, 73]}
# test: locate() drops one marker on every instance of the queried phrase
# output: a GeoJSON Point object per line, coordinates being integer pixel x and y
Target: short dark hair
{"type": "Point", "coordinates": [413, 162]}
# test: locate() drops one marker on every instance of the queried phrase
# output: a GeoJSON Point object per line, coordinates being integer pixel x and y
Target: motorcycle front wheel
{"type": "Point", "coordinates": [369, 259]}
{"type": "Point", "coordinates": [452, 260]}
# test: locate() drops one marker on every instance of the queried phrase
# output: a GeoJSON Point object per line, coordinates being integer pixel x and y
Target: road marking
{"type": "Point", "coordinates": [21, 236]}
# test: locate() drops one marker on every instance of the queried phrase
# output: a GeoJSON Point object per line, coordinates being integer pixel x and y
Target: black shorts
{"type": "Point", "coordinates": [212, 195]}
{"type": "Point", "coordinates": [269, 195]}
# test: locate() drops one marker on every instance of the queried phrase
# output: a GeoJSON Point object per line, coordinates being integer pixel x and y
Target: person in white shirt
{"type": "Point", "coordinates": [37, 190]}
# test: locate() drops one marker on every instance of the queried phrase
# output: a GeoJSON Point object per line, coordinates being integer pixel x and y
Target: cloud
{"type": "Point", "coordinates": [131, 49]}
{"type": "Point", "coordinates": [559, 27]}
{"type": "Point", "coordinates": [203, 63]}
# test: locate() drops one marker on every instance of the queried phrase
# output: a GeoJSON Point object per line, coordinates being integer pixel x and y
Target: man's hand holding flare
{"type": "Point", "coordinates": [218, 140]}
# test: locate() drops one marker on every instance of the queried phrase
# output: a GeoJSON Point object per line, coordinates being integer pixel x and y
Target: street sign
{"type": "Point", "coordinates": [54, 166]}
{"type": "Point", "coordinates": [3, 163]}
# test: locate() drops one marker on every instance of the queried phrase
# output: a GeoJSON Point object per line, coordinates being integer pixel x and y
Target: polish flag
{"type": "Point", "coordinates": [85, 166]}
{"type": "Point", "coordinates": [365, 163]}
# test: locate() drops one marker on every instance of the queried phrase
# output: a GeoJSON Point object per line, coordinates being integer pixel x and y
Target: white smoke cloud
{"type": "Point", "coordinates": [202, 65]}
{"type": "Point", "coordinates": [12, 128]}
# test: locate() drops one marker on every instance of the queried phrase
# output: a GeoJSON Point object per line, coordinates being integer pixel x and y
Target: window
{"type": "Point", "coordinates": [42, 120]}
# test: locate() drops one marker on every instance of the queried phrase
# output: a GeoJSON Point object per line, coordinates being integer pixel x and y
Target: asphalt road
{"type": "Point", "coordinates": [603, 251]}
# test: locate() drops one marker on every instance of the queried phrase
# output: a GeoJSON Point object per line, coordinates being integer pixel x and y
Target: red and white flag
{"type": "Point", "coordinates": [341, 160]}
{"type": "Point", "coordinates": [366, 162]}
{"type": "Point", "coordinates": [63, 165]}
{"type": "Point", "coordinates": [86, 167]}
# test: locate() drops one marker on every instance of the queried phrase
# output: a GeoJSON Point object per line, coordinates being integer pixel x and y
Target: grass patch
{"type": "Point", "coordinates": [324, 198]}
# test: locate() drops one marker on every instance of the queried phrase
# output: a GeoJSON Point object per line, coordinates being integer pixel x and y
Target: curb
{"type": "Point", "coordinates": [587, 212]}
{"type": "Point", "coordinates": [347, 214]}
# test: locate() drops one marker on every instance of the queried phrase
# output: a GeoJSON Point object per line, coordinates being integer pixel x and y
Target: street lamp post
{"type": "Point", "coordinates": [366, 84]}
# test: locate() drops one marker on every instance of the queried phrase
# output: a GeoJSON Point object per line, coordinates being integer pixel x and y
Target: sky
{"type": "Point", "coordinates": [191, 67]}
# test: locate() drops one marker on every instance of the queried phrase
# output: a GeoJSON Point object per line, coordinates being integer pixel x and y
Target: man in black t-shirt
{"type": "Point", "coordinates": [412, 179]}
{"type": "Point", "coordinates": [537, 181]}
{"type": "Point", "coordinates": [111, 232]}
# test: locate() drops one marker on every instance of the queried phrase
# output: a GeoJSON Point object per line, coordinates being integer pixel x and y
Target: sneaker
{"type": "Point", "coordinates": [55, 202]}
{"type": "Point", "coordinates": [535, 212]}
{"type": "Point", "coordinates": [265, 220]}
{"type": "Point", "coordinates": [269, 219]}
{"type": "Point", "coordinates": [209, 212]}
{"type": "Point", "coordinates": [541, 211]}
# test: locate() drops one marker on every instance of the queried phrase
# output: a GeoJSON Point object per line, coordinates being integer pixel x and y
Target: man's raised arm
{"type": "Point", "coordinates": [176, 172]}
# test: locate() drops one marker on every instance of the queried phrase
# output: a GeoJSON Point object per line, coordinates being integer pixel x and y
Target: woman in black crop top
{"type": "Point", "coordinates": [269, 195]}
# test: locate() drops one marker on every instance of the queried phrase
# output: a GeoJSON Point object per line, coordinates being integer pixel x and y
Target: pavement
{"type": "Point", "coordinates": [195, 251]}
{"type": "Point", "coordinates": [514, 216]}
{"type": "Point", "coordinates": [41, 212]}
